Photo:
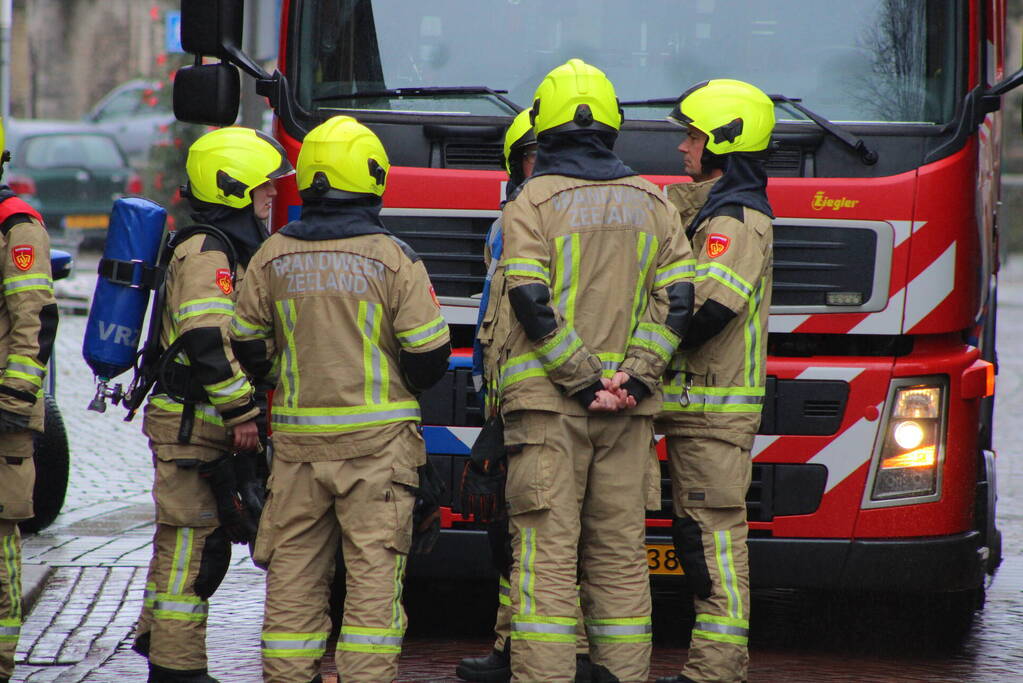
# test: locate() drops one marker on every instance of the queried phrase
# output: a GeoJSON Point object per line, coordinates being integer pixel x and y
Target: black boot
{"type": "Point", "coordinates": [677, 678]}
{"type": "Point", "coordinates": [158, 674]}
{"type": "Point", "coordinates": [598, 673]}
{"type": "Point", "coordinates": [141, 644]}
{"type": "Point", "coordinates": [583, 669]}
{"type": "Point", "coordinates": [494, 668]}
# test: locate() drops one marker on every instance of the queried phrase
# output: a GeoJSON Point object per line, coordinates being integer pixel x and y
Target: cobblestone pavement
{"type": "Point", "coordinates": [99, 548]}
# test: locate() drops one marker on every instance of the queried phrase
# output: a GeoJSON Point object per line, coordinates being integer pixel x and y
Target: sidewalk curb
{"type": "Point", "coordinates": [33, 580]}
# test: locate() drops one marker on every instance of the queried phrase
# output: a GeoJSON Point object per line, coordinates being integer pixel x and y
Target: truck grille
{"type": "Point", "coordinates": [474, 155]}
{"type": "Point", "coordinates": [451, 247]}
{"type": "Point", "coordinates": [776, 489]}
{"type": "Point", "coordinates": [826, 266]}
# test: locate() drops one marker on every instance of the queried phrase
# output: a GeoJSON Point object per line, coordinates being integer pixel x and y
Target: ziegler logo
{"type": "Point", "coordinates": [821, 201]}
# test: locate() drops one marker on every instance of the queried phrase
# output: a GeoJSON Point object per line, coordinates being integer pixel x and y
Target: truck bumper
{"type": "Point", "coordinates": [927, 565]}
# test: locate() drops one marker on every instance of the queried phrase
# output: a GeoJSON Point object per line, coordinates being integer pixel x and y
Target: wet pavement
{"type": "Point", "coordinates": [98, 549]}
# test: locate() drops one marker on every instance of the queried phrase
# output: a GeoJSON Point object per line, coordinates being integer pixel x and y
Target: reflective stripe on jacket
{"type": "Point", "coordinates": [608, 253]}
{"type": "Point", "coordinates": [334, 315]}
{"type": "Point", "coordinates": [717, 389]}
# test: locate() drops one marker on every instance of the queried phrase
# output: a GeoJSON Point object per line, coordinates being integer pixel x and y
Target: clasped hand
{"type": "Point", "coordinates": [613, 397]}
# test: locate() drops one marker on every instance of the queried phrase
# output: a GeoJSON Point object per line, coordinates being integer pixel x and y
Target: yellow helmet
{"type": "Point", "coordinates": [518, 136]}
{"type": "Point", "coordinates": [226, 164]}
{"type": "Point", "coordinates": [575, 96]}
{"type": "Point", "coordinates": [340, 159]}
{"type": "Point", "coordinates": [736, 116]}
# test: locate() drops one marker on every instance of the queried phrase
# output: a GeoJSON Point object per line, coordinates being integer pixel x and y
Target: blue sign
{"type": "Point", "coordinates": [172, 34]}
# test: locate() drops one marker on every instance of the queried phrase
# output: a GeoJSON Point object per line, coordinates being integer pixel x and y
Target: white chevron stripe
{"type": "Point", "coordinates": [848, 451]}
{"type": "Point", "coordinates": [826, 372]}
{"type": "Point", "coordinates": [785, 323]}
{"type": "Point", "coordinates": [931, 287]}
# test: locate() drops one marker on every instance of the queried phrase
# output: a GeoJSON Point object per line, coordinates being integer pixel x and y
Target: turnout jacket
{"type": "Point", "coordinates": [349, 330]}
{"type": "Point", "coordinates": [199, 306]}
{"type": "Point", "coordinates": [595, 277]}
{"type": "Point", "coordinates": [715, 388]}
{"type": "Point", "coordinates": [28, 309]}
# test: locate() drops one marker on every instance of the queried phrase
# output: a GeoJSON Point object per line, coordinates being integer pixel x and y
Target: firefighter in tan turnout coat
{"type": "Point", "coordinates": [596, 296]}
{"type": "Point", "coordinates": [345, 316]}
{"type": "Point", "coordinates": [202, 408]}
{"type": "Point", "coordinates": [714, 387]}
{"type": "Point", "coordinates": [28, 325]}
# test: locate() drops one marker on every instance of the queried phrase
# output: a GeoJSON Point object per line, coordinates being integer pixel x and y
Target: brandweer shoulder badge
{"type": "Point", "coordinates": [224, 280]}
{"type": "Point", "coordinates": [717, 244]}
{"type": "Point", "coordinates": [23, 256]}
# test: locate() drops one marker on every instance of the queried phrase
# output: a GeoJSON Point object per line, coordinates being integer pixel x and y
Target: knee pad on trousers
{"type": "Point", "coordinates": [688, 540]}
{"type": "Point", "coordinates": [499, 539]}
{"type": "Point", "coordinates": [216, 556]}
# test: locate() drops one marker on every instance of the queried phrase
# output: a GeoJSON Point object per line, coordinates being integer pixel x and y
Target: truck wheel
{"type": "Point", "coordinates": [52, 461]}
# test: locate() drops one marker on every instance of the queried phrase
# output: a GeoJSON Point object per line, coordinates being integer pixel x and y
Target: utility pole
{"type": "Point", "coordinates": [6, 19]}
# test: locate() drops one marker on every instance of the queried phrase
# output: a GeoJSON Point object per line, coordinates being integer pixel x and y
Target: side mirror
{"type": "Point", "coordinates": [211, 27]}
{"type": "Point", "coordinates": [207, 94]}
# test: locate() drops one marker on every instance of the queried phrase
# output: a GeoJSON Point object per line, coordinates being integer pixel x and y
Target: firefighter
{"type": "Point", "coordinates": [28, 325]}
{"type": "Point", "coordinates": [345, 315]}
{"type": "Point", "coordinates": [596, 296]}
{"type": "Point", "coordinates": [203, 407]}
{"type": "Point", "coordinates": [484, 476]}
{"type": "Point", "coordinates": [714, 388]}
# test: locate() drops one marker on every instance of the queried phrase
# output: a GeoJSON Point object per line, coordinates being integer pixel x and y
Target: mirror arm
{"type": "Point", "coordinates": [246, 63]}
{"type": "Point", "coordinates": [1005, 85]}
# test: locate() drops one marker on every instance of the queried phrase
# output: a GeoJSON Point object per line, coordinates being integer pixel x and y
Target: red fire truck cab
{"type": "Point", "coordinates": [873, 468]}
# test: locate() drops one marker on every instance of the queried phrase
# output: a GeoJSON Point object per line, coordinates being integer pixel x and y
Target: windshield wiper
{"type": "Point", "coordinates": [426, 91]}
{"type": "Point", "coordinates": [867, 155]}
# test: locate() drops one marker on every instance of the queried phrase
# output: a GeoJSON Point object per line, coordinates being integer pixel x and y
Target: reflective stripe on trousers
{"type": "Point", "coordinates": [379, 640]}
{"type": "Point", "coordinates": [294, 645]}
{"type": "Point", "coordinates": [621, 630]}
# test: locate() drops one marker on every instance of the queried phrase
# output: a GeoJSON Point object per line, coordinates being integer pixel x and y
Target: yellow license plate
{"type": "Point", "coordinates": [86, 221]}
{"type": "Point", "coordinates": [661, 559]}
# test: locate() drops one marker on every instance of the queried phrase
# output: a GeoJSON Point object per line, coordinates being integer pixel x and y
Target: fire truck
{"type": "Point", "coordinates": [874, 467]}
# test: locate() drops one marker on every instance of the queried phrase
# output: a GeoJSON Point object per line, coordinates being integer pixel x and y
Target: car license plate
{"type": "Point", "coordinates": [86, 221]}
{"type": "Point", "coordinates": [661, 559]}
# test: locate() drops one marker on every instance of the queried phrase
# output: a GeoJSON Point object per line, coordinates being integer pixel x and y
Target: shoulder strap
{"type": "Point", "coordinates": [225, 244]}
{"type": "Point", "coordinates": [11, 207]}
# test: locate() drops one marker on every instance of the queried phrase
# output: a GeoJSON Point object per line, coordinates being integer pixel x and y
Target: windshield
{"type": "Point", "coordinates": [849, 60]}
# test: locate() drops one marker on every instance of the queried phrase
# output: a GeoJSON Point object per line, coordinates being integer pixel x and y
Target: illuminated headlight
{"type": "Point", "coordinates": [911, 449]}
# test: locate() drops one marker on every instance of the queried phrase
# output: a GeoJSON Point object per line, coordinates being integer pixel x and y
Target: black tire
{"type": "Point", "coordinates": [53, 462]}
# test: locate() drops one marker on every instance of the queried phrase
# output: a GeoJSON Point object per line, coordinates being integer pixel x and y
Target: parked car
{"type": "Point", "coordinates": [71, 172]}
{"type": "Point", "coordinates": [136, 114]}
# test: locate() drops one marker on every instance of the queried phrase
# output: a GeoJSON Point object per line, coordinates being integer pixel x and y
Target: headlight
{"type": "Point", "coordinates": [910, 451]}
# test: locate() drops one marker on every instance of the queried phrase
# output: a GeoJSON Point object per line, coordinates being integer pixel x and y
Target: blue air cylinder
{"type": "Point", "coordinates": [126, 276]}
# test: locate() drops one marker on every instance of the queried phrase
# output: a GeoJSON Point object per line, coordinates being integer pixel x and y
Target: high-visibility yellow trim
{"type": "Point", "coordinates": [216, 305]}
{"type": "Point", "coordinates": [684, 269]}
{"type": "Point", "coordinates": [646, 247]}
{"type": "Point", "coordinates": [289, 371]}
{"type": "Point", "coordinates": [527, 267]}
{"type": "Point", "coordinates": [25, 283]}
{"type": "Point", "coordinates": [294, 645]}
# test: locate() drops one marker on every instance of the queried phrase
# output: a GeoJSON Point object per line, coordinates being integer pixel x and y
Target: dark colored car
{"type": "Point", "coordinates": [71, 173]}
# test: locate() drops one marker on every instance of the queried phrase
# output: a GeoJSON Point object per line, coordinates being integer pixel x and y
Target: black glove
{"type": "Point", "coordinates": [12, 422]}
{"type": "Point", "coordinates": [251, 483]}
{"type": "Point", "coordinates": [485, 474]}
{"type": "Point", "coordinates": [235, 520]}
{"type": "Point", "coordinates": [426, 511]}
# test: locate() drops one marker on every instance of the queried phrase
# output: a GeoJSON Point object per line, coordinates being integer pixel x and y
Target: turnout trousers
{"type": "Point", "coordinates": [365, 502]}
{"type": "Point", "coordinates": [17, 478]}
{"type": "Point", "coordinates": [576, 493]}
{"type": "Point", "coordinates": [709, 480]}
{"type": "Point", "coordinates": [190, 559]}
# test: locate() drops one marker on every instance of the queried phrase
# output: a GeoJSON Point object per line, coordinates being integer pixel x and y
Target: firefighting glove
{"type": "Point", "coordinates": [234, 518]}
{"type": "Point", "coordinates": [12, 422]}
{"type": "Point", "coordinates": [485, 475]}
{"type": "Point", "coordinates": [251, 483]}
{"type": "Point", "coordinates": [426, 510]}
